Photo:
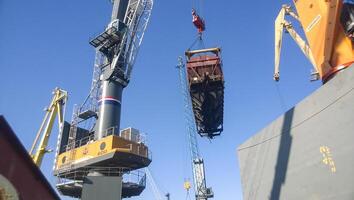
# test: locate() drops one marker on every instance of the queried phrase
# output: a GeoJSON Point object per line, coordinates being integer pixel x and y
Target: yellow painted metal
{"type": "Point", "coordinates": [187, 185]}
{"type": "Point", "coordinates": [329, 45]}
{"type": "Point", "coordinates": [56, 108]}
{"type": "Point", "coordinates": [95, 149]}
{"type": "Point", "coordinates": [279, 29]}
{"type": "Point", "coordinates": [193, 52]}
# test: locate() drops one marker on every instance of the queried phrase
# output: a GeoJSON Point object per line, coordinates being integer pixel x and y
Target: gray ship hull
{"type": "Point", "coordinates": [307, 153]}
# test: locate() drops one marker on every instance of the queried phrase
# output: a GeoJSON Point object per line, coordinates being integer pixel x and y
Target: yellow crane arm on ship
{"type": "Point", "coordinates": [56, 107]}
{"type": "Point", "coordinates": [280, 24]}
{"type": "Point", "coordinates": [327, 46]}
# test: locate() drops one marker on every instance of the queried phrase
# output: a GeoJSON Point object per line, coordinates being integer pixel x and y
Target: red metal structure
{"type": "Point", "coordinates": [206, 84]}
{"type": "Point", "coordinates": [20, 178]}
{"type": "Point", "coordinates": [198, 21]}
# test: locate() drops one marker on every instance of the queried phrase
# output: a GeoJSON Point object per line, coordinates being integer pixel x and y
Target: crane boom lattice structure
{"type": "Point", "coordinates": [153, 185]}
{"type": "Point", "coordinates": [200, 188]}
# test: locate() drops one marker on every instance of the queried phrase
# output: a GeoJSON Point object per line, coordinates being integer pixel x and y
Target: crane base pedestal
{"type": "Point", "coordinates": [75, 188]}
{"type": "Point", "coordinates": [102, 187]}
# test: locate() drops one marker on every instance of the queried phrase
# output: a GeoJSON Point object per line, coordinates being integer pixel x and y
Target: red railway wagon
{"type": "Point", "coordinates": [20, 178]}
{"type": "Point", "coordinates": [206, 85]}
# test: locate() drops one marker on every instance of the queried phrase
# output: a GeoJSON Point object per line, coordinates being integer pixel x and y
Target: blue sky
{"type": "Point", "coordinates": [44, 44]}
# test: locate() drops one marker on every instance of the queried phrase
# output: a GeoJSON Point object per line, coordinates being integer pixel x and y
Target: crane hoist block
{"type": "Point", "coordinates": [206, 86]}
{"type": "Point", "coordinates": [198, 21]}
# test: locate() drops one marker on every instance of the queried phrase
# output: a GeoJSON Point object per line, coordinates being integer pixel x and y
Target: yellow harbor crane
{"type": "Point", "coordinates": [56, 107]}
{"type": "Point", "coordinates": [327, 46]}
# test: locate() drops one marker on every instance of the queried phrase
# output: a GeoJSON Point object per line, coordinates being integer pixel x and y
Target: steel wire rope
{"type": "Point", "coordinates": [280, 97]}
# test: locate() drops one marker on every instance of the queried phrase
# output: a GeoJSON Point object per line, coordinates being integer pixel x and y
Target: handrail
{"type": "Point", "coordinates": [137, 176]}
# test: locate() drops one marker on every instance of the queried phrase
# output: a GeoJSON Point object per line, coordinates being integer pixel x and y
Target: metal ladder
{"type": "Point", "coordinates": [89, 108]}
{"type": "Point", "coordinates": [72, 137]}
{"type": "Point", "coordinates": [90, 104]}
